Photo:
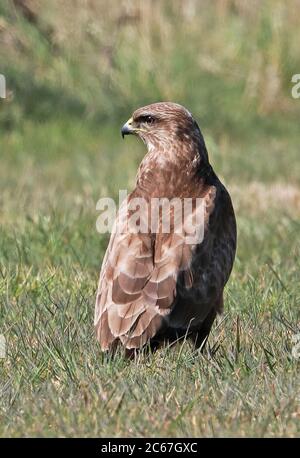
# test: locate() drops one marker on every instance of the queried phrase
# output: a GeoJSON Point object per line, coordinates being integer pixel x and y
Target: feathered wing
{"type": "Point", "coordinates": [136, 287]}
{"type": "Point", "coordinates": [137, 283]}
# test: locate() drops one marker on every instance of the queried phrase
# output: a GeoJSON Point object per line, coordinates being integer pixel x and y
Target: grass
{"type": "Point", "coordinates": [61, 151]}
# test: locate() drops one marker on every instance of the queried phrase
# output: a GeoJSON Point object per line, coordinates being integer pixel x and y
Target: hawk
{"type": "Point", "coordinates": [158, 285]}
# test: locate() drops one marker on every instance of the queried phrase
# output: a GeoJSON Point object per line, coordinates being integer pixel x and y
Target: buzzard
{"type": "Point", "coordinates": [159, 285]}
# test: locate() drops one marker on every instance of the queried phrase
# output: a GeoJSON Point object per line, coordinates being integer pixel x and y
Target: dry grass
{"type": "Point", "coordinates": [259, 198]}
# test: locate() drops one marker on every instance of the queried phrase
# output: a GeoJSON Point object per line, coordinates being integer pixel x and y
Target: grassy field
{"type": "Point", "coordinates": [71, 85]}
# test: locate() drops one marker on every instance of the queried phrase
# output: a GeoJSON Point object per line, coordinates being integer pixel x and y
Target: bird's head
{"type": "Point", "coordinates": [163, 124]}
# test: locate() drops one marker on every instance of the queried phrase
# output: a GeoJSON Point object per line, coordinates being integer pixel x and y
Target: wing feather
{"type": "Point", "coordinates": [137, 284]}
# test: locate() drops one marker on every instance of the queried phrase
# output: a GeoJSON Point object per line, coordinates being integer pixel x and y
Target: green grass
{"type": "Point", "coordinates": [61, 150]}
{"type": "Point", "coordinates": [54, 380]}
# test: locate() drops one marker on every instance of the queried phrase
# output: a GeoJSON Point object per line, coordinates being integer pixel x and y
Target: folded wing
{"type": "Point", "coordinates": [137, 283]}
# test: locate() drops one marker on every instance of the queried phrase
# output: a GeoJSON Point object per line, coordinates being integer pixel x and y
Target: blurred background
{"type": "Point", "coordinates": [74, 72]}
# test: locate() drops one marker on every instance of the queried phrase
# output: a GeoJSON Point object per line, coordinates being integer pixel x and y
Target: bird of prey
{"type": "Point", "coordinates": [156, 285]}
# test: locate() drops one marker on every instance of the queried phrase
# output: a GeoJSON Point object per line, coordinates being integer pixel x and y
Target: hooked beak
{"type": "Point", "coordinates": [127, 129]}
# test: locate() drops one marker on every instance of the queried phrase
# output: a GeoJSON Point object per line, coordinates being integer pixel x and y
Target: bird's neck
{"type": "Point", "coordinates": [172, 167]}
{"type": "Point", "coordinates": [186, 153]}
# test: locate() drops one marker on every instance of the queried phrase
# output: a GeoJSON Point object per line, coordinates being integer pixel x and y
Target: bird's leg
{"type": "Point", "coordinates": [200, 337]}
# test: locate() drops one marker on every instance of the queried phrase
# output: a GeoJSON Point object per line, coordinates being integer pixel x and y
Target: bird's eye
{"type": "Point", "coordinates": [146, 119]}
{"type": "Point", "coordinates": [149, 120]}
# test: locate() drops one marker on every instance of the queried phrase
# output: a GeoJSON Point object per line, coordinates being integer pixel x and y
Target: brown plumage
{"type": "Point", "coordinates": [154, 286]}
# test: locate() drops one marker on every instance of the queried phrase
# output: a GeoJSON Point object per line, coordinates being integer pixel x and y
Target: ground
{"type": "Point", "coordinates": [57, 160]}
